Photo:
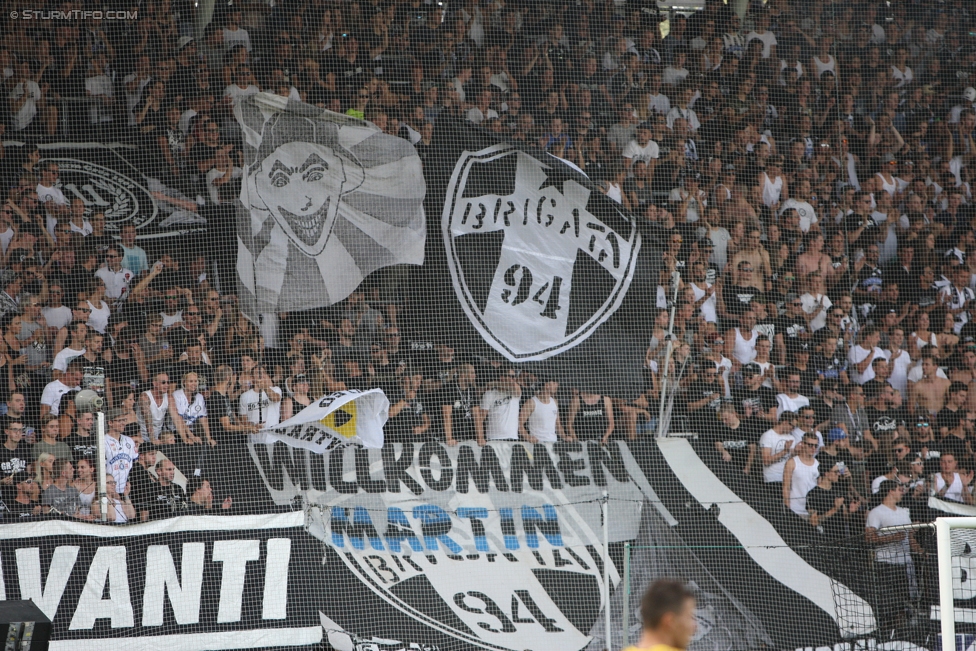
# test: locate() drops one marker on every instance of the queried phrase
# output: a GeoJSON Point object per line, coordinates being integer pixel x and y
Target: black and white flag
{"type": "Point", "coordinates": [537, 261]}
{"type": "Point", "coordinates": [326, 199]}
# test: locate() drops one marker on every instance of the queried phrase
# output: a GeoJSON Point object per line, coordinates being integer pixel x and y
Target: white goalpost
{"type": "Point", "coordinates": [950, 572]}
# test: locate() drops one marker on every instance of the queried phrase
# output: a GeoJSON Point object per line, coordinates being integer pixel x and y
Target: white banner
{"type": "Point", "coordinates": [352, 416]}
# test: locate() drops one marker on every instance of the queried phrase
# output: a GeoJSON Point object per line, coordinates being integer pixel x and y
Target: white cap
{"type": "Point", "coordinates": [969, 94]}
{"type": "Point", "coordinates": [186, 40]}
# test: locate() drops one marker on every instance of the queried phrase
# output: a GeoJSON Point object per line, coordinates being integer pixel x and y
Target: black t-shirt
{"type": "Point", "coordinates": [822, 501]}
{"type": "Point", "coordinates": [822, 410]}
{"type": "Point", "coordinates": [14, 462]}
{"type": "Point", "coordinates": [462, 403]}
{"type": "Point", "coordinates": [401, 426]}
{"type": "Point", "coordinates": [142, 486]}
{"type": "Point", "coordinates": [700, 390]}
{"type": "Point", "coordinates": [734, 441]}
{"type": "Point", "coordinates": [218, 406]}
{"type": "Point", "coordinates": [124, 371]}
{"type": "Point", "coordinates": [933, 453]}
{"type": "Point", "coordinates": [791, 327]}
{"type": "Point", "coordinates": [94, 374]}
{"type": "Point", "coordinates": [884, 422]}
{"type": "Point", "coordinates": [761, 400]}
{"type": "Point", "coordinates": [870, 280]}
{"type": "Point", "coordinates": [83, 447]}
{"type": "Point", "coordinates": [164, 501]}
{"type": "Point", "coordinates": [808, 378]}
{"type": "Point", "coordinates": [738, 298]}
{"type": "Point", "coordinates": [948, 419]}
{"type": "Point", "coordinates": [869, 235]}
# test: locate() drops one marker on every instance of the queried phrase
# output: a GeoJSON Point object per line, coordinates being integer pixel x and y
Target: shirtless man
{"type": "Point", "coordinates": [752, 251]}
{"type": "Point", "coordinates": [966, 374]}
{"type": "Point", "coordinates": [928, 395]}
{"type": "Point", "coordinates": [813, 258]}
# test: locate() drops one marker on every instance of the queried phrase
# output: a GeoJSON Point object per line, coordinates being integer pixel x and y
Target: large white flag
{"type": "Point", "coordinates": [346, 416]}
{"type": "Point", "coordinates": [325, 200]}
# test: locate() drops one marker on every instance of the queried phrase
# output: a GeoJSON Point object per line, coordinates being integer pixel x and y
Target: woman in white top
{"type": "Point", "coordinates": [922, 337]}
{"type": "Point", "coordinates": [100, 310]}
{"type": "Point", "coordinates": [539, 419]}
{"type": "Point", "coordinates": [84, 483]}
{"type": "Point", "coordinates": [823, 60]}
{"type": "Point", "coordinates": [189, 412]}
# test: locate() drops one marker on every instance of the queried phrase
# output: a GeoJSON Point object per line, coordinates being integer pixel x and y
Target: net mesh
{"type": "Point", "coordinates": [434, 325]}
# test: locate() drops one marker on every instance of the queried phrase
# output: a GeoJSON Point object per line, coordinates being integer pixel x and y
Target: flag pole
{"type": "Point", "coordinates": [661, 426]}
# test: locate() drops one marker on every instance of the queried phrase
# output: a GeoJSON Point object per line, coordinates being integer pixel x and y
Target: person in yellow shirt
{"type": "Point", "coordinates": [668, 616]}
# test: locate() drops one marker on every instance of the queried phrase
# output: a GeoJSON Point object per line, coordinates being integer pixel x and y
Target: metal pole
{"type": "Point", "coordinates": [675, 279]}
{"type": "Point", "coordinates": [100, 442]}
{"type": "Point", "coordinates": [947, 610]}
{"type": "Point", "coordinates": [606, 566]}
{"type": "Point", "coordinates": [626, 612]}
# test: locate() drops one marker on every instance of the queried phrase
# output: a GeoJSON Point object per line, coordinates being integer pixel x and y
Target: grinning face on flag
{"type": "Point", "coordinates": [301, 183]}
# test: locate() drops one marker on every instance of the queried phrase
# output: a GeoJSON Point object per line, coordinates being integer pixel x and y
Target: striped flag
{"type": "Point", "coordinates": [325, 200]}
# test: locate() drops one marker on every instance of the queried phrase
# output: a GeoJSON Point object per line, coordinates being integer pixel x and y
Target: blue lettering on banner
{"type": "Point", "coordinates": [435, 523]}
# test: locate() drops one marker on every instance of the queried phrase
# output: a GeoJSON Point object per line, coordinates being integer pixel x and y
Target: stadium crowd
{"type": "Point", "coordinates": [808, 164]}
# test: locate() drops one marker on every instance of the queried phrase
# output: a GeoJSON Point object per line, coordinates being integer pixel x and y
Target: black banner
{"type": "Point", "coordinates": [527, 257]}
{"type": "Point", "coordinates": [195, 582]}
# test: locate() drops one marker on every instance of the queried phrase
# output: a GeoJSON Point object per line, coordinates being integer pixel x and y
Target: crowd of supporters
{"type": "Point", "coordinates": [808, 164]}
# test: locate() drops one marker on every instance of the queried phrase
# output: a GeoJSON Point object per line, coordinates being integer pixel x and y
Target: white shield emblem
{"type": "Point", "coordinates": [534, 270]}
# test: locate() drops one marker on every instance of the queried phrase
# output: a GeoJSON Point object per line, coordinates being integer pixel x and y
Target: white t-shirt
{"type": "Point", "coordinates": [478, 116]}
{"type": "Point", "coordinates": [52, 395]}
{"type": "Point", "coordinates": [775, 442]}
{"type": "Point", "coordinates": [858, 354]}
{"type": "Point", "coordinates": [808, 216]}
{"type": "Point", "coordinates": [260, 411]}
{"type": "Point", "coordinates": [95, 86]}
{"type": "Point", "coordinates": [57, 317]}
{"type": "Point", "coordinates": [786, 403]}
{"type": "Point", "coordinates": [809, 303]}
{"type": "Point", "coordinates": [686, 113]}
{"type": "Point", "coordinates": [190, 412]}
{"type": "Point", "coordinates": [45, 194]}
{"type": "Point", "coordinates": [237, 36]}
{"type": "Point", "coordinates": [23, 117]}
{"type": "Point", "coordinates": [899, 371]}
{"type": "Point", "coordinates": [66, 355]}
{"type": "Point", "coordinates": [116, 282]}
{"type": "Point", "coordinates": [768, 40]}
{"type": "Point", "coordinates": [119, 458]}
{"type": "Point", "coordinates": [503, 413]}
{"type": "Point", "coordinates": [236, 93]}
{"type": "Point", "coordinates": [899, 551]}
{"type": "Point", "coordinates": [644, 153]}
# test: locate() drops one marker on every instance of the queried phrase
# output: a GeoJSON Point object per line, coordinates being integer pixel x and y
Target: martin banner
{"type": "Point", "coordinates": [530, 257]}
{"type": "Point", "coordinates": [326, 199]}
{"type": "Point", "coordinates": [352, 416]}
{"type": "Point", "coordinates": [499, 547]}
